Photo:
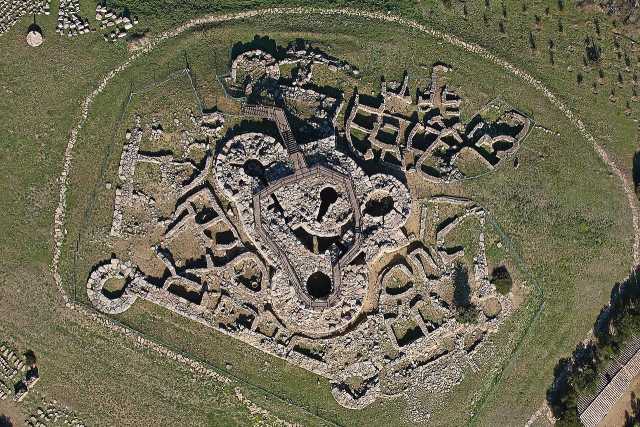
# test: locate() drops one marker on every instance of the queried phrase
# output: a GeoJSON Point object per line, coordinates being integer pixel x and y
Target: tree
{"type": "Point", "coordinates": [30, 357]}
{"type": "Point", "coordinates": [578, 375]}
{"type": "Point", "coordinates": [532, 41]}
{"type": "Point", "coordinates": [593, 51]}
{"type": "Point", "coordinates": [5, 421]}
{"type": "Point", "coordinates": [502, 280]}
{"type": "Point", "coordinates": [562, 398]}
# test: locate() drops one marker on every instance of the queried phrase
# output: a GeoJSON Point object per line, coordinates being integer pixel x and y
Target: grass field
{"type": "Point", "coordinates": [564, 212]}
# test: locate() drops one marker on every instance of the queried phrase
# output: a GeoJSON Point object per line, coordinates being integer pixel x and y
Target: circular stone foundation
{"type": "Point", "coordinates": [34, 38]}
{"type": "Point", "coordinates": [319, 285]}
{"type": "Point", "coordinates": [110, 300]}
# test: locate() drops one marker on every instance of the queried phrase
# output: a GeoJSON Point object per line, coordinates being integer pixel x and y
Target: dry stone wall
{"type": "Point", "coordinates": [60, 213]}
{"type": "Point", "coordinates": [271, 242]}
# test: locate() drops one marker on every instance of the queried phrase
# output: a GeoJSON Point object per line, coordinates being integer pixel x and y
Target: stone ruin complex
{"type": "Point", "coordinates": [12, 10]}
{"type": "Point", "coordinates": [53, 413]}
{"type": "Point", "coordinates": [16, 377]}
{"type": "Point", "coordinates": [118, 23]}
{"type": "Point", "coordinates": [11, 365]}
{"type": "Point", "coordinates": [70, 22]}
{"type": "Point", "coordinates": [289, 240]}
{"type": "Point", "coordinates": [439, 146]}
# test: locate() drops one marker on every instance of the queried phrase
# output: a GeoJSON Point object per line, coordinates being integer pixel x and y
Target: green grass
{"type": "Point", "coordinates": [563, 210]}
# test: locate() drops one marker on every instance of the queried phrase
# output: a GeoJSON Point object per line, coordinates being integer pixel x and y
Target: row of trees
{"type": "Point", "coordinates": [577, 375]}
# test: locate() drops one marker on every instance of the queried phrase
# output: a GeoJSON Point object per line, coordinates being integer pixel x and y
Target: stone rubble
{"type": "Point", "coordinates": [10, 366]}
{"type": "Point", "coordinates": [298, 214]}
{"type": "Point", "coordinates": [12, 10]}
{"type": "Point", "coordinates": [435, 147]}
{"type": "Point", "coordinates": [10, 363]}
{"type": "Point", "coordinates": [69, 20]}
{"type": "Point", "coordinates": [53, 413]}
{"type": "Point", "coordinates": [16, 378]}
{"type": "Point", "coordinates": [59, 232]}
{"type": "Point", "coordinates": [118, 24]}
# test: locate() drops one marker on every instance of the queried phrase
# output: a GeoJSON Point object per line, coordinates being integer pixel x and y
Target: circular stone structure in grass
{"type": "Point", "coordinates": [34, 36]}
{"type": "Point", "coordinates": [346, 321]}
{"type": "Point", "coordinates": [107, 286]}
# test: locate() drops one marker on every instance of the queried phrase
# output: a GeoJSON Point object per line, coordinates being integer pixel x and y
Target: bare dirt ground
{"type": "Point", "coordinates": [9, 409]}
{"type": "Point", "coordinates": [617, 415]}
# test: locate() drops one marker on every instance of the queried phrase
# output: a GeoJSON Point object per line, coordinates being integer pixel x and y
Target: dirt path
{"type": "Point", "coordinates": [60, 213]}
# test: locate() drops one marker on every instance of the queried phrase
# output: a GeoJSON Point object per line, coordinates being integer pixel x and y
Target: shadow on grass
{"type": "Point", "coordinates": [636, 172]}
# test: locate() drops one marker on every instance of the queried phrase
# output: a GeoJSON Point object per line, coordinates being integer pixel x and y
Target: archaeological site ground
{"type": "Point", "coordinates": [318, 213]}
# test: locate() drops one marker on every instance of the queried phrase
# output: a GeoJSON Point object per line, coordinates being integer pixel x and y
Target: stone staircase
{"type": "Point", "coordinates": [613, 382]}
{"type": "Point", "coordinates": [277, 115]}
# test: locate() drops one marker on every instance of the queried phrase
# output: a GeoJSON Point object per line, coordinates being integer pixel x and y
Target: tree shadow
{"type": "Point", "coordinates": [632, 419]}
{"type": "Point", "coordinates": [264, 43]}
{"type": "Point", "coordinates": [30, 357]}
{"type": "Point", "coordinates": [466, 311]}
{"type": "Point", "coordinates": [636, 172]}
{"type": "Point", "coordinates": [34, 27]}
{"type": "Point", "coordinates": [461, 289]}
